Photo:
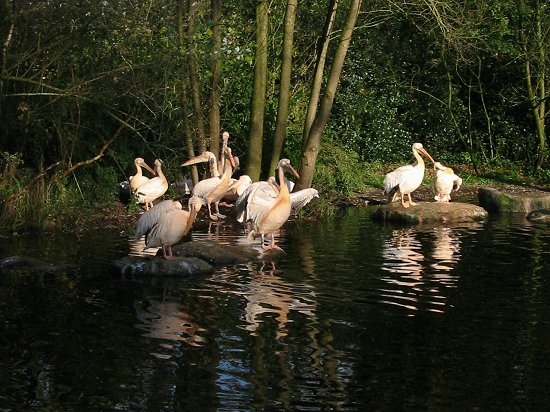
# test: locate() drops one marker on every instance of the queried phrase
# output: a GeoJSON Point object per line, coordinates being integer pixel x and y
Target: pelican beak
{"type": "Point", "coordinates": [230, 158]}
{"type": "Point", "coordinates": [292, 171]}
{"type": "Point", "coordinates": [146, 166]}
{"type": "Point", "coordinates": [425, 153]}
{"type": "Point", "coordinates": [204, 157]}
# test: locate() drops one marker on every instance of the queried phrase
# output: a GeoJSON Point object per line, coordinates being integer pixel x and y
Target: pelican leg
{"type": "Point", "coordinates": [272, 245]}
{"type": "Point", "coordinates": [405, 205]}
{"type": "Point", "coordinates": [210, 215]}
{"type": "Point", "coordinates": [167, 252]}
{"type": "Point", "coordinates": [218, 214]}
{"type": "Point", "coordinates": [410, 201]}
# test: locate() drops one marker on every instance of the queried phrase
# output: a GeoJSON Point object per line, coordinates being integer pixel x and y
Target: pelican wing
{"type": "Point", "coordinates": [394, 178]}
{"type": "Point", "coordinates": [170, 229]}
{"type": "Point", "coordinates": [257, 195]}
{"type": "Point", "coordinates": [150, 218]}
{"type": "Point", "coordinates": [301, 198]}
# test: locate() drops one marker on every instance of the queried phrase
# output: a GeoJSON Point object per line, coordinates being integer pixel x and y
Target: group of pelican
{"type": "Point", "coordinates": [145, 189]}
{"type": "Point", "coordinates": [262, 207]}
{"type": "Point", "coordinates": [406, 179]}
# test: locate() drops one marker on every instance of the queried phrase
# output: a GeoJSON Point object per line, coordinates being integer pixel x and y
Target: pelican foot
{"type": "Point", "coordinates": [405, 205]}
{"type": "Point", "coordinates": [169, 257]}
{"type": "Point", "coordinates": [412, 203]}
{"type": "Point", "coordinates": [268, 247]}
{"type": "Point", "coordinates": [213, 217]}
{"type": "Point", "coordinates": [220, 216]}
{"type": "Point", "coordinates": [226, 204]}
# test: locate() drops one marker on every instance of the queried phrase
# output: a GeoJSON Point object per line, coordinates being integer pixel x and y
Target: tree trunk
{"type": "Point", "coordinates": [313, 144]}
{"type": "Point", "coordinates": [255, 140]}
{"type": "Point", "coordinates": [534, 49]}
{"type": "Point", "coordinates": [319, 71]}
{"type": "Point", "coordinates": [284, 91]}
{"type": "Point", "coordinates": [194, 78]}
{"type": "Point", "coordinates": [216, 67]}
{"type": "Point", "coordinates": [187, 133]}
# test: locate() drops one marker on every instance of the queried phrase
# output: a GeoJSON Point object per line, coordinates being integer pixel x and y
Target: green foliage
{"type": "Point", "coordinates": [339, 170]}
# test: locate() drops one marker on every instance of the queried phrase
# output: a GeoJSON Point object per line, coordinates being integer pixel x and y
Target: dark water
{"type": "Point", "coordinates": [357, 315]}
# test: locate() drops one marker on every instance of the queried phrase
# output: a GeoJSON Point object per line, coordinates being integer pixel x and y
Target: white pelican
{"type": "Point", "coordinates": [267, 190]}
{"type": "Point", "coordinates": [268, 214]}
{"type": "Point", "coordinates": [270, 189]}
{"type": "Point", "coordinates": [405, 179]}
{"type": "Point", "coordinates": [166, 224]}
{"type": "Point", "coordinates": [446, 181]}
{"type": "Point", "coordinates": [138, 179]}
{"type": "Point", "coordinates": [211, 190]}
{"type": "Point", "coordinates": [154, 188]}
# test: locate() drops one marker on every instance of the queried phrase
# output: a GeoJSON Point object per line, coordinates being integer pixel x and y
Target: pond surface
{"type": "Point", "coordinates": [357, 315]}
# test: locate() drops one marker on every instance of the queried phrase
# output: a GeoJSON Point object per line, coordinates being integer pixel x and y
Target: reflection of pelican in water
{"type": "Point", "coordinates": [446, 249]}
{"type": "Point", "coordinates": [268, 293]}
{"type": "Point", "coordinates": [403, 253]}
{"type": "Point", "coordinates": [167, 319]}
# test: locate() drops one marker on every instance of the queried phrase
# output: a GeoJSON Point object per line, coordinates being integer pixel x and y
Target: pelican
{"type": "Point", "coordinates": [211, 190]}
{"type": "Point", "coordinates": [267, 190]}
{"type": "Point", "coordinates": [138, 179]}
{"type": "Point", "coordinates": [405, 179]}
{"type": "Point", "coordinates": [166, 224]}
{"type": "Point", "coordinates": [268, 214]}
{"type": "Point", "coordinates": [154, 188]}
{"type": "Point", "coordinates": [270, 189]}
{"type": "Point", "coordinates": [446, 181]}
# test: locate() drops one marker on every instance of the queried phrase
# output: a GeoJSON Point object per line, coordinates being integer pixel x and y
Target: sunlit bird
{"type": "Point", "coordinates": [166, 224]}
{"type": "Point", "coordinates": [268, 214]}
{"type": "Point", "coordinates": [210, 191]}
{"type": "Point", "coordinates": [154, 188]}
{"type": "Point", "coordinates": [446, 181]}
{"type": "Point", "coordinates": [138, 179]}
{"type": "Point", "coordinates": [406, 179]}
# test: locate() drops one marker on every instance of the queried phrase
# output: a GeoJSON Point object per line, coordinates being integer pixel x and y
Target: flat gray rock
{"type": "Point", "coordinates": [192, 258]}
{"type": "Point", "coordinates": [26, 264]}
{"type": "Point", "coordinates": [152, 265]}
{"type": "Point", "coordinates": [539, 216]}
{"type": "Point", "coordinates": [523, 202]}
{"type": "Point", "coordinates": [430, 212]}
{"type": "Point", "coordinates": [216, 253]}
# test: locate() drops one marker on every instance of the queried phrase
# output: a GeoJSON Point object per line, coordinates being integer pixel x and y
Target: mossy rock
{"type": "Point", "coordinates": [429, 212]}
{"type": "Point", "coordinates": [496, 201]}
{"type": "Point", "coordinates": [539, 216]}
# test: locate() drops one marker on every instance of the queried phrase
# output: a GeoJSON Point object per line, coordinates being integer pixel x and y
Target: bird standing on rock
{"type": "Point", "coordinates": [446, 181]}
{"type": "Point", "coordinates": [406, 179]}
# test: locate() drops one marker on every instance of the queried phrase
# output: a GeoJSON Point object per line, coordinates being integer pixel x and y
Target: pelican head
{"type": "Point", "coordinates": [287, 167]}
{"type": "Point", "coordinates": [417, 147]}
{"type": "Point", "coordinates": [139, 161]}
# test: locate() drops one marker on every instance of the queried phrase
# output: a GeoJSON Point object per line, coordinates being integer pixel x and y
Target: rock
{"type": "Point", "coordinates": [430, 212]}
{"type": "Point", "coordinates": [27, 264]}
{"type": "Point", "coordinates": [217, 253]}
{"type": "Point", "coordinates": [193, 258]}
{"type": "Point", "coordinates": [539, 216]}
{"type": "Point", "coordinates": [524, 202]}
{"type": "Point", "coordinates": [151, 265]}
